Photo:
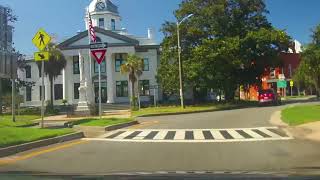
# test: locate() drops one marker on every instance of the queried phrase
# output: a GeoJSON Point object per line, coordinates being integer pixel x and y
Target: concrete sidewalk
{"type": "Point", "coordinates": [64, 118]}
{"type": "Point", "coordinates": [59, 121]}
{"type": "Point", "coordinates": [308, 131]}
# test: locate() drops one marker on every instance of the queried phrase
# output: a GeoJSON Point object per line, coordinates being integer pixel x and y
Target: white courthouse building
{"type": "Point", "coordinates": [115, 86]}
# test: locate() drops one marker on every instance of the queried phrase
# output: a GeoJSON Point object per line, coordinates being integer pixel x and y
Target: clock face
{"type": "Point", "coordinates": [100, 6]}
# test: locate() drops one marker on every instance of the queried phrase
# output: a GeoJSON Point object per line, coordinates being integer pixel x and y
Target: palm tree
{"type": "Point", "coordinates": [52, 68]}
{"type": "Point", "coordinates": [133, 67]}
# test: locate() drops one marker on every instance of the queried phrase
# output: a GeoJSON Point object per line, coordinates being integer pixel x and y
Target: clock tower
{"type": "Point", "coordinates": [104, 15]}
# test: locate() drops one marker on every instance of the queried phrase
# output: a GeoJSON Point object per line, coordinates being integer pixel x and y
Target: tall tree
{"type": "Point", "coordinates": [311, 60]}
{"type": "Point", "coordinates": [226, 43]}
{"type": "Point", "coordinates": [52, 68]}
{"type": "Point", "coordinates": [133, 67]}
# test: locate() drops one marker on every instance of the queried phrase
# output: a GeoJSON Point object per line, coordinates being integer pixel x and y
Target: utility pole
{"type": "Point", "coordinates": [179, 57]}
{"type": "Point", "coordinates": [13, 95]}
{"type": "Point", "coordinates": [42, 94]}
{"type": "Point", "coordinates": [180, 67]}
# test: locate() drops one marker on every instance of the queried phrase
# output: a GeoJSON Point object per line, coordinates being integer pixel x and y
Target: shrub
{"type": "Point", "coordinates": [30, 111]}
{"type": "Point", "coordinates": [64, 102]}
{"type": "Point", "coordinates": [51, 110]}
{"type": "Point", "coordinates": [94, 109]}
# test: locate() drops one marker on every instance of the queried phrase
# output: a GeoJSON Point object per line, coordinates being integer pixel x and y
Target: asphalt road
{"type": "Point", "coordinates": [104, 157]}
{"type": "Point", "coordinates": [239, 118]}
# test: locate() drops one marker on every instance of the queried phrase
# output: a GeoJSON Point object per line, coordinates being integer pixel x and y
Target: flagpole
{"type": "Point", "coordinates": [90, 58]}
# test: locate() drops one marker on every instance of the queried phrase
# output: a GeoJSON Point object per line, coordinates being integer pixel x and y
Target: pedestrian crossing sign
{"type": "Point", "coordinates": [41, 39]}
{"type": "Point", "coordinates": [291, 83]}
{"type": "Point", "coordinates": [41, 56]}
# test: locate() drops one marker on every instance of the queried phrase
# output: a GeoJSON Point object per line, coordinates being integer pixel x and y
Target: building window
{"type": "Point", "coordinates": [113, 24]}
{"type": "Point", "coordinates": [103, 66]}
{"type": "Point", "coordinates": [145, 64]}
{"type": "Point", "coordinates": [290, 70]}
{"type": "Point", "coordinates": [41, 92]}
{"type": "Point", "coordinates": [28, 71]}
{"type": "Point", "coordinates": [101, 22]}
{"type": "Point", "coordinates": [272, 73]}
{"type": "Point", "coordinates": [119, 61]}
{"type": "Point", "coordinates": [122, 88]}
{"type": "Point", "coordinates": [40, 73]}
{"type": "Point", "coordinates": [58, 91]}
{"type": "Point", "coordinates": [28, 93]}
{"type": "Point", "coordinates": [76, 90]}
{"type": "Point", "coordinates": [76, 68]}
{"type": "Point", "coordinates": [144, 88]}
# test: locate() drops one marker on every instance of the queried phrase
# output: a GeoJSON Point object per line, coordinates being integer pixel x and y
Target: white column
{"type": "Point", "coordinates": [88, 77]}
{"type": "Point", "coordinates": [47, 88]}
{"type": "Point", "coordinates": [110, 80]}
{"type": "Point", "coordinates": [83, 103]}
{"type": "Point", "coordinates": [64, 80]}
{"type": "Point", "coordinates": [69, 82]}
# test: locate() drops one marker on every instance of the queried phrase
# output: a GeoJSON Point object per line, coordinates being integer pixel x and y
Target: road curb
{"type": "Point", "coordinates": [192, 112]}
{"type": "Point", "coordinates": [37, 144]}
{"type": "Point", "coordinates": [119, 126]}
{"type": "Point", "coordinates": [30, 125]}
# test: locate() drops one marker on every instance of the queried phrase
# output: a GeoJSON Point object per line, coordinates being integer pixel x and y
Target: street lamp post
{"type": "Point", "coordinates": [179, 56]}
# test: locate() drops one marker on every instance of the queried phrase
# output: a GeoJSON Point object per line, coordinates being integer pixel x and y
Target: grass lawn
{"type": "Point", "coordinates": [294, 97]}
{"type": "Point", "coordinates": [21, 120]}
{"type": "Point", "coordinates": [195, 108]}
{"type": "Point", "coordinates": [15, 135]}
{"type": "Point", "coordinates": [103, 122]}
{"type": "Point", "coordinates": [301, 114]}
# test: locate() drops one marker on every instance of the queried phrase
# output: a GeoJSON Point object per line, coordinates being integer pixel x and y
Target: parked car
{"type": "Point", "coordinates": [269, 96]}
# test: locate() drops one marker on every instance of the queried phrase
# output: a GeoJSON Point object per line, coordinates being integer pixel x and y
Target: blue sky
{"type": "Point", "coordinates": [64, 18]}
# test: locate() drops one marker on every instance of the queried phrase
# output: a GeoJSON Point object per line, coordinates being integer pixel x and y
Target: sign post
{"type": "Point", "coordinates": [99, 55]}
{"type": "Point", "coordinates": [291, 86]}
{"type": "Point", "coordinates": [41, 40]}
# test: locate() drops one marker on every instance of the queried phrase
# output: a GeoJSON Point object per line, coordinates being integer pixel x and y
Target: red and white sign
{"type": "Point", "coordinates": [99, 54]}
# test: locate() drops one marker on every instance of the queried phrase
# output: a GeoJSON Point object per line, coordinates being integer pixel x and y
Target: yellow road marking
{"type": "Point", "coordinates": [5, 161]}
{"type": "Point", "coordinates": [144, 124]}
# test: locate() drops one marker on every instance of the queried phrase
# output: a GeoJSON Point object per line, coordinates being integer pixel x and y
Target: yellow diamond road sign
{"type": "Point", "coordinates": [41, 56]}
{"type": "Point", "coordinates": [291, 83]}
{"type": "Point", "coordinates": [41, 39]}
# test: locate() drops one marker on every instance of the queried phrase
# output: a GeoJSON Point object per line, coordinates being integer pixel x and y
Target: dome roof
{"type": "Point", "coordinates": [108, 6]}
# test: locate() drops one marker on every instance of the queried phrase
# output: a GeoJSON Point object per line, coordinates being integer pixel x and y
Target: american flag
{"type": "Point", "coordinates": [92, 33]}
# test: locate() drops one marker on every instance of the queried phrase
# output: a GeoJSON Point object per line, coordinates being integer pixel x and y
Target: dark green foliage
{"type": "Point", "coordinates": [226, 43]}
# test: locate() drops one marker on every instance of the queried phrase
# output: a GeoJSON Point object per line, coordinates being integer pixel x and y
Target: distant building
{"type": "Point", "coordinates": [115, 86]}
{"type": "Point", "coordinates": [289, 63]}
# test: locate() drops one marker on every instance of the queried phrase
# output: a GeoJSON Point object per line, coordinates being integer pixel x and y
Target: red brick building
{"type": "Point", "coordinates": [289, 63]}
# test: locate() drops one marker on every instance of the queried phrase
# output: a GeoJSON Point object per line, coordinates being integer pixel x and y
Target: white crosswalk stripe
{"type": "Point", "coordinates": [235, 134]}
{"type": "Point", "coordinates": [252, 134]}
{"type": "Point", "coordinates": [180, 135]}
{"type": "Point", "coordinates": [196, 135]}
{"type": "Point", "coordinates": [123, 135]}
{"type": "Point", "coordinates": [142, 135]}
{"type": "Point", "coordinates": [269, 132]}
{"type": "Point", "coordinates": [161, 135]}
{"type": "Point", "coordinates": [216, 134]}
